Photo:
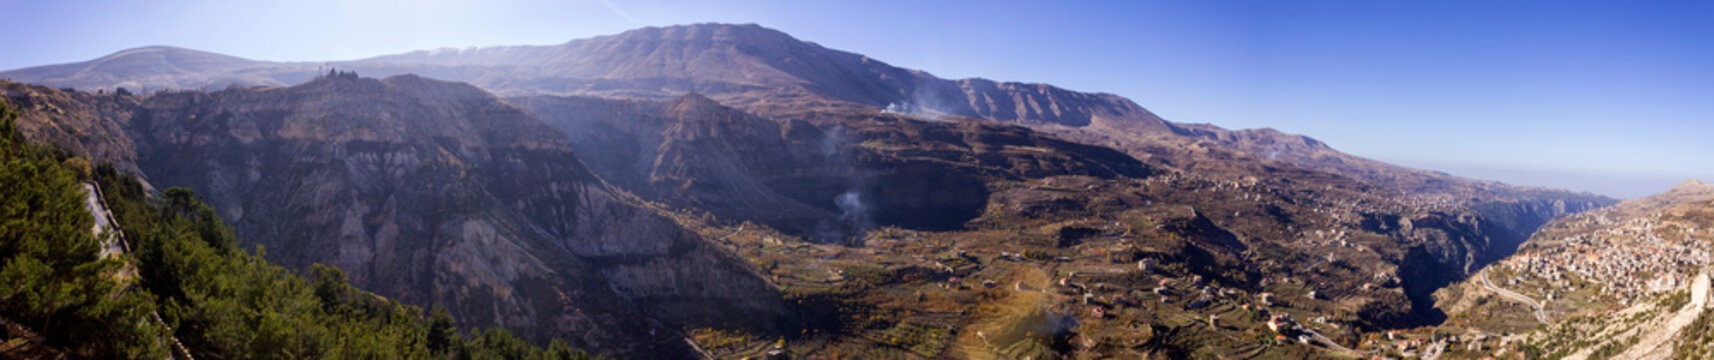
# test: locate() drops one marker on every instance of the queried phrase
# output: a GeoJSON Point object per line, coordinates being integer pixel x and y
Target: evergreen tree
{"type": "Point", "coordinates": [52, 275]}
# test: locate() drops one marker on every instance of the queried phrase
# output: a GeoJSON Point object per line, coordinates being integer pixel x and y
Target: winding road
{"type": "Point", "coordinates": [1334, 345]}
{"type": "Point", "coordinates": [114, 245]}
{"type": "Point", "coordinates": [111, 245]}
{"type": "Point", "coordinates": [1540, 310]}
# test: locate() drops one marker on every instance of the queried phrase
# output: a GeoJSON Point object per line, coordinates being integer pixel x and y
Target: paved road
{"type": "Point", "coordinates": [1540, 311]}
{"type": "Point", "coordinates": [1335, 345]}
{"type": "Point", "coordinates": [113, 245]}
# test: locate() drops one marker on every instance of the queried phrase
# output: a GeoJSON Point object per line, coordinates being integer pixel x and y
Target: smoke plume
{"type": "Point", "coordinates": [854, 216]}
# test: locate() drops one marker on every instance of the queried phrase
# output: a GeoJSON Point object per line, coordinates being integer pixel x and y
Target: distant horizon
{"type": "Point", "coordinates": [1608, 99]}
{"type": "Point", "coordinates": [1623, 187]}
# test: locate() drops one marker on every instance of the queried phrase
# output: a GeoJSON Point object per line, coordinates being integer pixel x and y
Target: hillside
{"type": "Point", "coordinates": [774, 75]}
{"type": "Point", "coordinates": [164, 276]}
{"type": "Point", "coordinates": [437, 193]}
{"type": "Point", "coordinates": [1070, 218]}
{"type": "Point", "coordinates": [1067, 205]}
{"type": "Point", "coordinates": [693, 152]}
{"type": "Point", "coordinates": [1628, 281]}
{"type": "Point", "coordinates": [161, 67]}
{"type": "Point", "coordinates": [730, 191]}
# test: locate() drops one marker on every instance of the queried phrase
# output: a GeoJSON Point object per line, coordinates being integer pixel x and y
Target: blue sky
{"type": "Point", "coordinates": [1609, 97]}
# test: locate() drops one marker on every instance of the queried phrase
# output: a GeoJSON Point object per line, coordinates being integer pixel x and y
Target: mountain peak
{"type": "Point", "coordinates": [753, 39]}
{"type": "Point", "coordinates": [163, 49]}
{"type": "Point", "coordinates": [716, 31]}
{"type": "Point", "coordinates": [694, 99]}
{"type": "Point", "coordinates": [1692, 184]}
{"type": "Point", "coordinates": [177, 58]}
{"type": "Point", "coordinates": [695, 105]}
{"type": "Point", "coordinates": [149, 66]}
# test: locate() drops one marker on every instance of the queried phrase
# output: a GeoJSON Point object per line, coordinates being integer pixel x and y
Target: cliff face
{"type": "Point", "coordinates": [90, 125]}
{"type": "Point", "coordinates": [825, 177]}
{"type": "Point", "coordinates": [692, 152]}
{"type": "Point", "coordinates": [1447, 248]}
{"type": "Point", "coordinates": [439, 193]}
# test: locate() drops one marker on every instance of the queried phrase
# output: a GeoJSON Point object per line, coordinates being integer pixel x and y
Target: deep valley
{"type": "Point", "coordinates": [730, 191]}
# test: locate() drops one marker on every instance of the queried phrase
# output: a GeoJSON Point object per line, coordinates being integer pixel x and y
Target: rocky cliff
{"type": "Point", "coordinates": [439, 193]}
{"type": "Point", "coordinates": [86, 124]}
{"type": "Point", "coordinates": [824, 177]}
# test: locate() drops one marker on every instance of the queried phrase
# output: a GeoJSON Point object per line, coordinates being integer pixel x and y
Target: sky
{"type": "Point", "coordinates": [1615, 98]}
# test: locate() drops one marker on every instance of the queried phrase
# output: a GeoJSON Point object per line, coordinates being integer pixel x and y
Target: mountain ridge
{"type": "Point", "coordinates": [434, 192]}
{"type": "Point", "coordinates": [809, 190]}
{"type": "Point", "coordinates": [707, 58]}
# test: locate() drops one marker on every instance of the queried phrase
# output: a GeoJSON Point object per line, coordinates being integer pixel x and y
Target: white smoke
{"type": "Point", "coordinates": [854, 216]}
{"type": "Point", "coordinates": [921, 104]}
{"type": "Point", "coordinates": [852, 211]}
{"type": "Point", "coordinates": [830, 145]}
{"type": "Point", "coordinates": [915, 109]}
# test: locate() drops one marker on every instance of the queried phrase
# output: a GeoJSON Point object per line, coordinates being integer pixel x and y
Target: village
{"type": "Point", "coordinates": [1637, 258]}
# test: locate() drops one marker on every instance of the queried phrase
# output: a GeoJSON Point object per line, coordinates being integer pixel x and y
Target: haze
{"type": "Point", "coordinates": [1608, 98]}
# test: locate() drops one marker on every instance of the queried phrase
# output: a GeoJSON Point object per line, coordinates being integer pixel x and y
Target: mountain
{"type": "Point", "coordinates": [791, 197]}
{"type": "Point", "coordinates": [744, 65]}
{"type": "Point", "coordinates": [760, 70]}
{"type": "Point", "coordinates": [774, 75]}
{"type": "Point", "coordinates": [157, 67]}
{"type": "Point", "coordinates": [439, 193]}
{"type": "Point", "coordinates": [100, 268]}
{"type": "Point", "coordinates": [694, 152]}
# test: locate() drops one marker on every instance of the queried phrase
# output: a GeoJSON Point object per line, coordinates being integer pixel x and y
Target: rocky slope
{"type": "Point", "coordinates": [439, 193]}
{"type": "Point", "coordinates": [693, 153]}
{"type": "Point", "coordinates": [1435, 244]}
{"type": "Point", "coordinates": [79, 122]}
{"type": "Point", "coordinates": [769, 73]}
{"type": "Point", "coordinates": [775, 76]}
{"type": "Point", "coordinates": [825, 177]}
{"type": "Point", "coordinates": [805, 160]}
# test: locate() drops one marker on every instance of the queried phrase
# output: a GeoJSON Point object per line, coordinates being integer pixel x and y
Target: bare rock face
{"type": "Point", "coordinates": [692, 152]}
{"type": "Point", "coordinates": [824, 177]}
{"type": "Point", "coordinates": [1041, 104]}
{"type": "Point", "coordinates": [82, 123]}
{"type": "Point", "coordinates": [439, 193]}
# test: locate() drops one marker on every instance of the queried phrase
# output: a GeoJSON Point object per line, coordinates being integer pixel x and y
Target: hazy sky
{"type": "Point", "coordinates": [1610, 97]}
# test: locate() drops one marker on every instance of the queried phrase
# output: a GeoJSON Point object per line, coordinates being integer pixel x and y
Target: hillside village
{"type": "Point", "coordinates": [1611, 283]}
{"type": "Point", "coordinates": [1634, 258]}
